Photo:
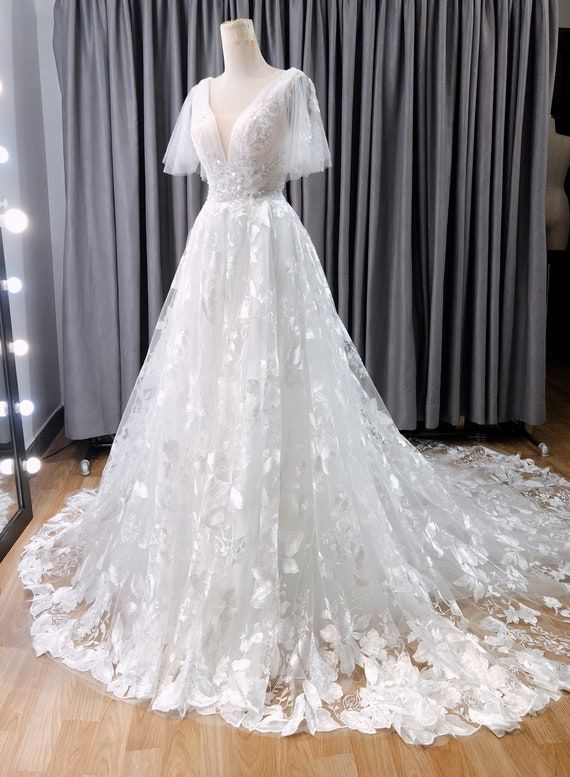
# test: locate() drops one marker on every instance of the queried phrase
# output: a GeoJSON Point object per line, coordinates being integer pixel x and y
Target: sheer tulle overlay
{"type": "Point", "coordinates": [263, 543]}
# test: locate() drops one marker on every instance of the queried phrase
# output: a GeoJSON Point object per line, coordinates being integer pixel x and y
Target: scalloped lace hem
{"type": "Point", "coordinates": [447, 680]}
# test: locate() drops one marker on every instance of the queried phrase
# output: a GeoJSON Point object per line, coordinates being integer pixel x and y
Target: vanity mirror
{"type": "Point", "coordinates": [15, 500]}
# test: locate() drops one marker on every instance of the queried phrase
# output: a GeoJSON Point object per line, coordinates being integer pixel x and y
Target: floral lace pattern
{"type": "Point", "coordinates": [263, 543]}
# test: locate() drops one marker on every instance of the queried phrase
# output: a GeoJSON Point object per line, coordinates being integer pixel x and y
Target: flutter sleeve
{"type": "Point", "coordinates": [180, 157]}
{"type": "Point", "coordinates": [307, 148]}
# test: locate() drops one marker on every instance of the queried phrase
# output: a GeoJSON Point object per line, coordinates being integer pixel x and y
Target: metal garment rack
{"type": "Point", "coordinates": [95, 444]}
{"type": "Point", "coordinates": [470, 431]}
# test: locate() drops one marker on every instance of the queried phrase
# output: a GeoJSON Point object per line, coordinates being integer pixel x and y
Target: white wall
{"type": "Point", "coordinates": [32, 179]}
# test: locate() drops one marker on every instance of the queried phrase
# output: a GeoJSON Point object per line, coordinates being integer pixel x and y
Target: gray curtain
{"type": "Point", "coordinates": [430, 225]}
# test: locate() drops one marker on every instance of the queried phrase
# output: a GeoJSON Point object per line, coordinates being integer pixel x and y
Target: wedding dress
{"type": "Point", "coordinates": [264, 544]}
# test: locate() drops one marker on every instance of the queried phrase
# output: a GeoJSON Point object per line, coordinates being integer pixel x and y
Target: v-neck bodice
{"type": "Point", "coordinates": [278, 136]}
{"type": "Point", "coordinates": [254, 162]}
{"type": "Point", "coordinates": [226, 154]}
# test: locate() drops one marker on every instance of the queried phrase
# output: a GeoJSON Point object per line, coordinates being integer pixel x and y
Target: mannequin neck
{"type": "Point", "coordinates": [242, 55]}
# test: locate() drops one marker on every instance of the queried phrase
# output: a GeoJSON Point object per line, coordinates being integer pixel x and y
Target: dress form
{"type": "Point", "coordinates": [245, 73]}
{"type": "Point", "coordinates": [557, 210]}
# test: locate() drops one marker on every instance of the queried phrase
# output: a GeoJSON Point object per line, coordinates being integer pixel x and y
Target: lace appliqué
{"type": "Point", "coordinates": [264, 544]}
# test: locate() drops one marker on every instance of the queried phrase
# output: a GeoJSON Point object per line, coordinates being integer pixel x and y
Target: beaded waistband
{"type": "Point", "coordinates": [243, 196]}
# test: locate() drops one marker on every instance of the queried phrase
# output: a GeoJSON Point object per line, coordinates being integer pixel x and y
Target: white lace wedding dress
{"type": "Point", "coordinates": [264, 544]}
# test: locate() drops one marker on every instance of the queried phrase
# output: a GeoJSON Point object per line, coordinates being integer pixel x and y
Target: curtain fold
{"type": "Point", "coordinates": [430, 224]}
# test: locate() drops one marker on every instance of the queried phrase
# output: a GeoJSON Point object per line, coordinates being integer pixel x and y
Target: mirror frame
{"type": "Point", "coordinates": [24, 513]}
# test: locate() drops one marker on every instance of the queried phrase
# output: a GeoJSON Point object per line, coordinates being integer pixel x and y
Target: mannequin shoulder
{"type": "Point", "coordinates": [199, 84]}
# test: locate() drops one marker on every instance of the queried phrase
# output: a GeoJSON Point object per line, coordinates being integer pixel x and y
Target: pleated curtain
{"type": "Point", "coordinates": [430, 224]}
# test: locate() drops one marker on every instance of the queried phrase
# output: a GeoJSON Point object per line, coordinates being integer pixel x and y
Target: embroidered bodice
{"type": "Point", "coordinates": [279, 136]}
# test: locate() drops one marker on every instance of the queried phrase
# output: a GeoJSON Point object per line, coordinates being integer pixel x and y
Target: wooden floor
{"type": "Point", "coordinates": [52, 723]}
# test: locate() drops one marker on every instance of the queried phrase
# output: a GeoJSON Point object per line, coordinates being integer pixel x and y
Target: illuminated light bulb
{"type": "Point", "coordinates": [32, 465]}
{"type": "Point", "coordinates": [7, 466]}
{"type": "Point", "coordinates": [25, 407]}
{"type": "Point", "coordinates": [4, 155]}
{"type": "Point", "coordinates": [12, 284]}
{"type": "Point", "coordinates": [3, 409]}
{"type": "Point", "coordinates": [1, 87]}
{"type": "Point", "coordinates": [15, 220]}
{"type": "Point", "coordinates": [19, 347]}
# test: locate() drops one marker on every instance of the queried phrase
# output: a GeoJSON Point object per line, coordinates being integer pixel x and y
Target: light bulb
{"type": "Point", "coordinates": [32, 465]}
{"type": "Point", "coordinates": [19, 347]}
{"type": "Point", "coordinates": [12, 284]}
{"type": "Point", "coordinates": [7, 466]}
{"type": "Point", "coordinates": [3, 408]}
{"type": "Point", "coordinates": [1, 87]}
{"type": "Point", "coordinates": [25, 407]}
{"type": "Point", "coordinates": [4, 155]}
{"type": "Point", "coordinates": [15, 220]}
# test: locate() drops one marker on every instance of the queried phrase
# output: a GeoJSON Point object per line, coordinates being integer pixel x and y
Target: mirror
{"type": "Point", "coordinates": [15, 501]}
{"type": "Point", "coordinates": [8, 492]}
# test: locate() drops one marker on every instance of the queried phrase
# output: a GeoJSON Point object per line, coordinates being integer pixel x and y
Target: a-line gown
{"type": "Point", "coordinates": [264, 544]}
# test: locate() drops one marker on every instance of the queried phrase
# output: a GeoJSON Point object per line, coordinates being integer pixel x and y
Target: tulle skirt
{"type": "Point", "coordinates": [265, 545]}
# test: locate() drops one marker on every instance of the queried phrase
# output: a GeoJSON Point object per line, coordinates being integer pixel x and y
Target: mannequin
{"type": "Point", "coordinates": [557, 210]}
{"type": "Point", "coordinates": [245, 73]}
